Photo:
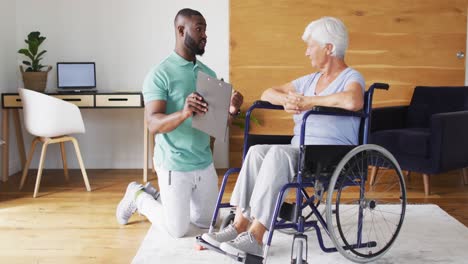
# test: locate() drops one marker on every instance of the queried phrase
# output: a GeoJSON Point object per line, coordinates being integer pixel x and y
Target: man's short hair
{"type": "Point", "coordinates": [186, 12]}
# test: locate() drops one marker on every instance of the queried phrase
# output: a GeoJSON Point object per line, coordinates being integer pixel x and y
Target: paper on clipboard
{"type": "Point", "coordinates": [217, 95]}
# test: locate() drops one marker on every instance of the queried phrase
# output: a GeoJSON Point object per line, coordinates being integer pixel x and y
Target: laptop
{"type": "Point", "coordinates": [76, 77]}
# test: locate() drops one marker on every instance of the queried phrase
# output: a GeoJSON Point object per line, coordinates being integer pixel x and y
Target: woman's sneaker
{"type": "Point", "coordinates": [241, 245]}
{"type": "Point", "coordinates": [227, 234]}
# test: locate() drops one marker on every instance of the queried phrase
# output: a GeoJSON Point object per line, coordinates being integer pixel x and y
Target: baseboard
{"type": "Point", "coordinates": [14, 167]}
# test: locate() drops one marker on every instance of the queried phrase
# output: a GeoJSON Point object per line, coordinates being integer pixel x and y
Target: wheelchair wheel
{"type": "Point", "coordinates": [299, 259]}
{"type": "Point", "coordinates": [363, 219]}
{"type": "Point", "coordinates": [299, 249]}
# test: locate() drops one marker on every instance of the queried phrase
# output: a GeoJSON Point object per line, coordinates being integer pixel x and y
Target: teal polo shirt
{"type": "Point", "coordinates": [184, 148]}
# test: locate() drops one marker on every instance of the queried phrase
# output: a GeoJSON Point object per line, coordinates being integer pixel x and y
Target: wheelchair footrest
{"type": "Point", "coordinates": [252, 259]}
{"type": "Point", "coordinates": [248, 259]}
{"type": "Point", "coordinates": [207, 245]}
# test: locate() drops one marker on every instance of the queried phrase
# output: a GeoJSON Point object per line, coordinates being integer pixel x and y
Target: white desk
{"type": "Point", "coordinates": [11, 102]}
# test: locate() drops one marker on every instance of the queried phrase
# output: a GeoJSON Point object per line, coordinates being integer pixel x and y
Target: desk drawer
{"type": "Point", "coordinates": [12, 101]}
{"type": "Point", "coordinates": [83, 100]}
{"type": "Point", "coordinates": [118, 100]}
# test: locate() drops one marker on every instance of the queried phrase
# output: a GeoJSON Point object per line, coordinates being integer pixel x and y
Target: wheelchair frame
{"type": "Point", "coordinates": [304, 200]}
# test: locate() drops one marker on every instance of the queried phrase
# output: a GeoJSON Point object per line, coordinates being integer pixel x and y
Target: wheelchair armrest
{"type": "Point", "coordinates": [334, 111]}
{"type": "Point", "coordinates": [323, 110]}
{"type": "Point", "coordinates": [326, 110]}
{"type": "Point", "coordinates": [264, 105]}
{"type": "Point", "coordinates": [384, 118]}
{"type": "Point", "coordinates": [258, 105]}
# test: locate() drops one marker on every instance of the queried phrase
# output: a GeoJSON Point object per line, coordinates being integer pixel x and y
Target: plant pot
{"type": "Point", "coordinates": [36, 81]}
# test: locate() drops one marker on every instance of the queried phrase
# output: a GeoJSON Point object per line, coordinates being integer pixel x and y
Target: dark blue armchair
{"type": "Point", "coordinates": [429, 136]}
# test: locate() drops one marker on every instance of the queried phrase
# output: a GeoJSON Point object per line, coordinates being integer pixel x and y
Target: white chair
{"type": "Point", "coordinates": [50, 120]}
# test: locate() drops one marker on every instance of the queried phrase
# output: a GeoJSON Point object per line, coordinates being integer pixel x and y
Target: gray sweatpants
{"type": "Point", "coordinates": [265, 170]}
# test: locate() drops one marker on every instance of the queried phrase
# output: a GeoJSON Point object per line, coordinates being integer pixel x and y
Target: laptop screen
{"type": "Point", "coordinates": [76, 75]}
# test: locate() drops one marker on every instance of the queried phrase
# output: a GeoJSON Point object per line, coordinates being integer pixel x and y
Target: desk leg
{"type": "Point", "coordinates": [19, 137]}
{"type": "Point", "coordinates": [151, 149]}
{"type": "Point", "coordinates": [6, 146]}
{"type": "Point", "coordinates": [145, 150]}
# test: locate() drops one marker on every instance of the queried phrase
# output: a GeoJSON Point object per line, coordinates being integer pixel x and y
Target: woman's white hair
{"type": "Point", "coordinates": [328, 30]}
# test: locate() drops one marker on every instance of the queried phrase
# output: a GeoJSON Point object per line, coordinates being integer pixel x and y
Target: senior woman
{"type": "Point", "coordinates": [268, 167]}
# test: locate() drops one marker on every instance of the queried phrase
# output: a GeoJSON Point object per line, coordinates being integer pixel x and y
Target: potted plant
{"type": "Point", "coordinates": [240, 120]}
{"type": "Point", "coordinates": [33, 77]}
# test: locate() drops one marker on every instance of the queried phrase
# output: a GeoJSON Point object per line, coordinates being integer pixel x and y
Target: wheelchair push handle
{"type": "Point", "coordinates": [382, 86]}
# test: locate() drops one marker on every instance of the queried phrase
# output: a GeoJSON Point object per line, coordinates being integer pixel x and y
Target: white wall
{"type": "Point", "coordinates": [8, 65]}
{"type": "Point", "coordinates": [125, 38]}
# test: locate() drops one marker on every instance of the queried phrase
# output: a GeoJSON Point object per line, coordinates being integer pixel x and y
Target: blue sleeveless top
{"type": "Point", "coordinates": [327, 130]}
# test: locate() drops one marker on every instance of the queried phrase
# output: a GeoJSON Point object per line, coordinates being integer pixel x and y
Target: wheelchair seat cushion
{"type": "Point", "coordinates": [409, 141]}
{"type": "Point", "coordinates": [322, 159]}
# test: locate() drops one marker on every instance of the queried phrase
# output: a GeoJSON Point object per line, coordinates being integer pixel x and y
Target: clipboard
{"type": "Point", "coordinates": [218, 96]}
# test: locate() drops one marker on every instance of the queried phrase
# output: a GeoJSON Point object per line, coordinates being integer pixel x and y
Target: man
{"type": "Point", "coordinates": [187, 178]}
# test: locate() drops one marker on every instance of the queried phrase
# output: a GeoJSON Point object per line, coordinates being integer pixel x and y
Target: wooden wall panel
{"type": "Point", "coordinates": [403, 43]}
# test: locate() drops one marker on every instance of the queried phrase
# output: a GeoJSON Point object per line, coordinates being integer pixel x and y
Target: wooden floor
{"type": "Point", "coordinates": [66, 224]}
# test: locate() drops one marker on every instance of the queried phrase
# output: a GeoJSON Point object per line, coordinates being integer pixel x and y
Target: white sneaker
{"type": "Point", "coordinates": [127, 205]}
{"type": "Point", "coordinates": [149, 189]}
{"type": "Point", "coordinates": [227, 234]}
{"type": "Point", "coordinates": [241, 245]}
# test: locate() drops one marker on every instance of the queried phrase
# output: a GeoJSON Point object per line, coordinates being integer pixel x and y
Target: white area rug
{"type": "Point", "coordinates": [429, 235]}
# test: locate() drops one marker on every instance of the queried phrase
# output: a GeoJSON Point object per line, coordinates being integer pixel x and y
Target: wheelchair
{"type": "Point", "coordinates": [337, 188]}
